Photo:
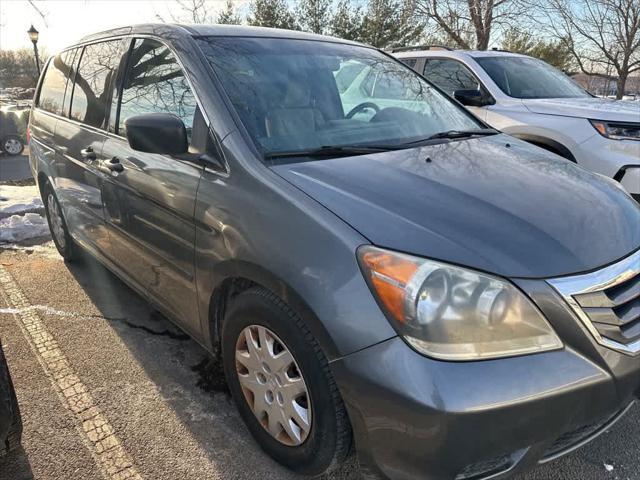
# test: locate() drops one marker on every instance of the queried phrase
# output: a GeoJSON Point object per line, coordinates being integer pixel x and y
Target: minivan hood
{"type": "Point", "coordinates": [495, 204]}
{"type": "Point", "coordinates": [587, 107]}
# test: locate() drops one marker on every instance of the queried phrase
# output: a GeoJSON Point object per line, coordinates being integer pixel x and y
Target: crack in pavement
{"type": "Point", "coordinates": [47, 310]}
{"type": "Point", "coordinates": [99, 436]}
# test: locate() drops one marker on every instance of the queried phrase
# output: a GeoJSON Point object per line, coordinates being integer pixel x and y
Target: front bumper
{"type": "Point", "coordinates": [617, 159]}
{"type": "Point", "coordinates": [629, 178]}
{"type": "Point", "coordinates": [415, 417]}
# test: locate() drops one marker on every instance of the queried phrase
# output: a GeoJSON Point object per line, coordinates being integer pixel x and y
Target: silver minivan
{"type": "Point", "coordinates": [377, 270]}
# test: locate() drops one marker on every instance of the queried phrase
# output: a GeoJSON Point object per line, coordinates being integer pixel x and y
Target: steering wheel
{"type": "Point", "coordinates": [361, 107]}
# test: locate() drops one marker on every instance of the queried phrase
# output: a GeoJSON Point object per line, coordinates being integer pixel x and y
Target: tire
{"type": "Point", "coordinates": [65, 245]}
{"type": "Point", "coordinates": [328, 440]}
{"type": "Point", "coordinates": [12, 145]}
{"type": "Point", "coordinates": [14, 434]}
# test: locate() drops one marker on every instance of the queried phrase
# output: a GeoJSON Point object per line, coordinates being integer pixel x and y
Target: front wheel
{"type": "Point", "coordinates": [282, 384]}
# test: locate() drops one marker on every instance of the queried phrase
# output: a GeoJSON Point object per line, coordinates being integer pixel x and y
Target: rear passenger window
{"type": "Point", "coordinates": [91, 92]}
{"type": "Point", "coordinates": [409, 62]}
{"type": "Point", "coordinates": [450, 75]}
{"type": "Point", "coordinates": [402, 86]}
{"type": "Point", "coordinates": [55, 81]}
{"type": "Point", "coordinates": [155, 83]}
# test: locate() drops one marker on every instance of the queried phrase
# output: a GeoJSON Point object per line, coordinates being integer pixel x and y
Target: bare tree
{"type": "Point", "coordinates": [39, 12]}
{"type": "Point", "coordinates": [191, 11]}
{"type": "Point", "coordinates": [469, 23]}
{"type": "Point", "coordinates": [601, 34]}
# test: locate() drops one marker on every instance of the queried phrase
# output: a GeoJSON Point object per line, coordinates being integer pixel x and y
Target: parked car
{"type": "Point", "coordinates": [375, 267]}
{"type": "Point", "coordinates": [10, 139]}
{"type": "Point", "coordinates": [10, 420]}
{"type": "Point", "coordinates": [529, 99]}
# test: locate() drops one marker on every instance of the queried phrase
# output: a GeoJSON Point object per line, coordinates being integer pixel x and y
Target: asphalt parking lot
{"type": "Point", "coordinates": [14, 167]}
{"type": "Point", "coordinates": [110, 389]}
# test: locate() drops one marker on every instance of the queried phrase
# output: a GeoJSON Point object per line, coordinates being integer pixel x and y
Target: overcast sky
{"type": "Point", "coordinates": [68, 20]}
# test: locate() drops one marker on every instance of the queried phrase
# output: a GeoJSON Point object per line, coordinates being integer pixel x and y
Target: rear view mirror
{"type": "Point", "coordinates": [157, 133]}
{"type": "Point", "coordinates": [470, 98]}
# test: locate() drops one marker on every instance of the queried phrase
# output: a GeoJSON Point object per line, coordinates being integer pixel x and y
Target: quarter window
{"type": "Point", "coordinates": [98, 64]}
{"type": "Point", "coordinates": [450, 75]}
{"type": "Point", "coordinates": [155, 83]}
{"type": "Point", "coordinates": [55, 81]}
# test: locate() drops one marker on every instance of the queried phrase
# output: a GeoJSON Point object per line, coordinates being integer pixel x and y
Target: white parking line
{"type": "Point", "coordinates": [110, 456]}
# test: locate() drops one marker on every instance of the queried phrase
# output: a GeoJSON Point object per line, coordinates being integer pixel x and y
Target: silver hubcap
{"type": "Point", "coordinates": [55, 217]}
{"type": "Point", "coordinates": [12, 146]}
{"type": "Point", "coordinates": [273, 385]}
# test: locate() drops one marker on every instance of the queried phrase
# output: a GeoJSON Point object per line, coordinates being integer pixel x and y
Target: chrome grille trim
{"type": "Point", "coordinates": [587, 292]}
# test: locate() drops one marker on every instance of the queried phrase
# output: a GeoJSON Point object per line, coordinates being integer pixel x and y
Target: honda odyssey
{"type": "Point", "coordinates": [377, 270]}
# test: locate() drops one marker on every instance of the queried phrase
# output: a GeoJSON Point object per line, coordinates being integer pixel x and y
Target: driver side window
{"type": "Point", "coordinates": [155, 83]}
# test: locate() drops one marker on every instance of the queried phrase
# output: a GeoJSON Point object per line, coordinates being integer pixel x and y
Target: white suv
{"type": "Point", "coordinates": [529, 99]}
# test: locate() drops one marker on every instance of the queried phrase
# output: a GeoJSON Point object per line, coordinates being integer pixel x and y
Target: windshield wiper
{"type": "Point", "coordinates": [463, 133]}
{"type": "Point", "coordinates": [333, 151]}
{"type": "Point", "coordinates": [347, 150]}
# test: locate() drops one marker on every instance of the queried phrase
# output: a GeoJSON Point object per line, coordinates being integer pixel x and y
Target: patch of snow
{"type": "Point", "coordinates": [14, 200]}
{"type": "Point", "coordinates": [18, 228]}
{"type": "Point", "coordinates": [608, 468]}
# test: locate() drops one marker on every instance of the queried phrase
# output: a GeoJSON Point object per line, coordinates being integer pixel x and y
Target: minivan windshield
{"type": "Point", "coordinates": [303, 95]}
{"type": "Point", "coordinates": [524, 77]}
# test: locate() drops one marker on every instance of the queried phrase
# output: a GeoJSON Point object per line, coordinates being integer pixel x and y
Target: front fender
{"type": "Point", "coordinates": [254, 224]}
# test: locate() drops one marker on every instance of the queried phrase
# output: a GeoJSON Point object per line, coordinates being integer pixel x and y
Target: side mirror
{"type": "Point", "coordinates": [470, 98]}
{"type": "Point", "coordinates": [157, 133]}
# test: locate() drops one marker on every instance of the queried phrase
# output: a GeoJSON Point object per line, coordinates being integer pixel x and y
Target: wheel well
{"type": "Point", "coordinates": [222, 295]}
{"type": "Point", "coordinates": [549, 145]}
{"type": "Point", "coordinates": [551, 149]}
{"type": "Point", "coordinates": [242, 276]}
{"type": "Point", "coordinates": [42, 181]}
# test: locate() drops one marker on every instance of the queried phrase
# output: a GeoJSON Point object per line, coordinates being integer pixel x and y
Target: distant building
{"type": "Point", "coordinates": [605, 85]}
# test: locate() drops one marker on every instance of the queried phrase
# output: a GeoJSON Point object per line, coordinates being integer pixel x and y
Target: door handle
{"type": "Point", "coordinates": [113, 165]}
{"type": "Point", "coordinates": [88, 153]}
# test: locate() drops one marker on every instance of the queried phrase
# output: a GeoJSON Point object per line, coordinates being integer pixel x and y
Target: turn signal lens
{"type": "Point", "coordinates": [601, 127]}
{"type": "Point", "coordinates": [390, 274]}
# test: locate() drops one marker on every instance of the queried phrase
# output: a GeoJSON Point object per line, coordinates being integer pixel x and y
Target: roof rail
{"type": "Point", "coordinates": [496, 49]}
{"type": "Point", "coordinates": [420, 47]}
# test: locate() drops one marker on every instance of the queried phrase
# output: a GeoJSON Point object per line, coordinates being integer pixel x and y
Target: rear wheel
{"type": "Point", "coordinates": [282, 384]}
{"type": "Point", "coordinates": [58, 226]}
{"type": "Point", "coordinates": [12, 145]}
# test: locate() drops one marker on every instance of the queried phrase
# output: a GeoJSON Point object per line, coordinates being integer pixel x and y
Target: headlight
{"type": "Point", "coordinates": [452, 313]}
{"type": "Point", "coordinates": [617, 130]}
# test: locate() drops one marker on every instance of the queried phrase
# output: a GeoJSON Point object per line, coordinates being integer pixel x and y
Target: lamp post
{"type": "Point", "coordinates": [33, 35]}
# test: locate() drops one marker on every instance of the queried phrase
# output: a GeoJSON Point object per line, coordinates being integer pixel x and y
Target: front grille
{"type": "Point", "coordinates": [608, 303]}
